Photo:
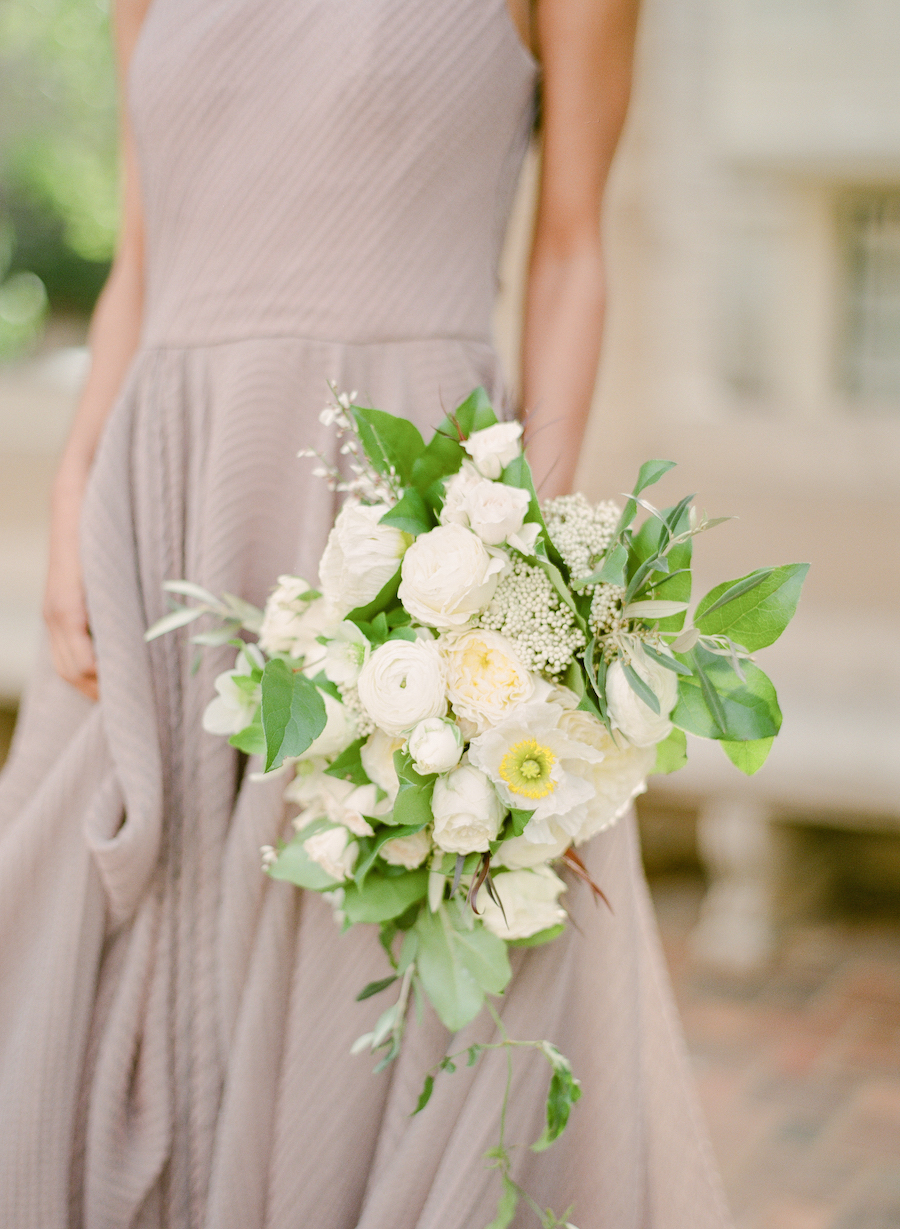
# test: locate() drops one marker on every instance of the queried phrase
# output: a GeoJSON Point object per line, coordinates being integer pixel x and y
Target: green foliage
{"type": "Point", "coordinates": [251, 740]}
{"type": "Point", "coordinates": [458, 965]}
{"type": "Point", "coordinates": [386, 598]}
{"type": "Point", "coordinates": [564, 1091]}
{"type": "Point", "coordinates": [540, 938]}
{"type": "Point", "coordinates": [716, 703]}
{"type": "Point", "coordinates": [293, 712]}
{"type": "Point", "coordinates": [444, 453]}
{"type": "Point", "coordinates": [348, 765]}
{"type": "Point", "coordinates": [381, 898]}
{"type": "Point", "coordinates": [518, 818]}
{"type": "Point", "coordinates": [295, 865]}
{"type": "Point", "coordinates": [412, 806]}
{"type": "Point", "coordinates": [411, 514]}
{"type": "Point", "coordinates": [390, 442]}
{"type": "Point", "coordinates": [750, 756]}
{"type": "Point", "coordinates": [375, 987]}
{"type": "Point", "coordinates": [506, 1208]}
{"type": "Point", "coordinates": [754, 610]}
{"type": "Point", "coordinates": [671, 753]}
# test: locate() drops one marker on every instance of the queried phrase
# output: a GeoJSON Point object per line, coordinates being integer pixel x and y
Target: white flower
{"type": "Point", "coordinates": [234, 707]}
{"type": "Point", "coordinates": [327, 797]}
{"type": "Point", "coordinates": [617, 779]}
{"type": "Point", "coordinates": [448, 576]}
{"type": "Point", "coordinates": [491, 509]}
{"type": "Point", "coordinates": [519, 852]}
{"type": "Point", "coordinates": [629, 713]}
{"type": "Point", "coordinates": [361, 555]}
{"type": "Point", "coordinates": [485, 678]}
{"type": "Point", "coordinates": [292, 621]}
{"type": "Point", "coordinates": [408, 851]}
{"type": "Point", "coordinates": [345, 654]}
{"type": "Point", "coordinates": [435, 745]}
{"type": "Point", "coordinates": [402, 683]}
{"type": "Point", "coordinates": [341, 728]}
{"type": "Point", "coordinates": [534, 765]}
{"type": "Point", "coordinates": [493, 448]}
{"type": "Point", "coordinates": [333, 850]}
{"type": "Point", "coordinates": [377, 755]}
{"type": "Point", "coordinates": [467, 811]}
{"type": "Point", "coordinates": [530, 902]}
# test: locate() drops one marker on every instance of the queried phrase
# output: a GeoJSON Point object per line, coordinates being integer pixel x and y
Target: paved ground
{"type": "Point", "coordinates": [799, 1070]}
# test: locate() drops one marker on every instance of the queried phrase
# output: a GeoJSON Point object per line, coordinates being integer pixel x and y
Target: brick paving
{"type": "Point", "coordinates": [798, 1069]}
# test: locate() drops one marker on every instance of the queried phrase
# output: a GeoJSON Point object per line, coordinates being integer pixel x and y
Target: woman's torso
{"type": "Point", "coordinates": [332, 169]}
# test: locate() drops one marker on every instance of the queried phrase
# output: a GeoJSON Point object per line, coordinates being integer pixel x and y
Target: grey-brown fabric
{"type": "Point", "coordinates": [326, 184]}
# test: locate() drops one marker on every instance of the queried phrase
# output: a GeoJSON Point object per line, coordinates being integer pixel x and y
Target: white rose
{"type": "Point", "coordinates": [235, 706]}
{"type": "Point", "coordinates": [485, 678]}
{"type": "Point", "coordinates": [493, 448]}
{"type": "Point", "coordinates": [361, 555]}
{"type": "Point", "coordinates": [619, 777]}
{"type": "Point", "coordinates": [530, 902]}
{"type": "Point", "coordinates": [456, 493]}
{"type": "Point", "coordinates": [333, 850]}
{"type": "Point", "coordinates": [467, 811]}
{"type": "Point", "coordinates": [519, 852]}
{"type": "Point", "coordinates": [345, 654]}
{"type": "Point", "coordinates": [629, 713]}
{"type": "Point", "coordinates": [377, 755]}
{"type": "Point", "coordinates": [448, 575]}
{"type": "Point", "coordinates": [402, 683]}
{"type": "Point", "coordinates": [293, 620]}
{"type": "Point", "coordinates": [491, 509]}
{"type": "Point", "coordinates": [341, 728]}
{"type": "Point", "coordinates": [408, 851]}
{"type": "Point", "coordinates": [435, 745]}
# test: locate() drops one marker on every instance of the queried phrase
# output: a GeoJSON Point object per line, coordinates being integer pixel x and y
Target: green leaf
{"type": "Point", "coordinates": [178, 618]}
{"type": "Point", "coordinates": [518, 818]}
{"type": "Point", "coordinates": [542, 936]}
{"type": "Point", "coordinates": [475, 413]}
{"type": "Point", "coordinates": [482, 952]}
{"type": "Point", "coordinates": [251, 740]}
{"type": "Point", "coordinates": [386, 598]}
{"type": "Point", "coordinates": [754, 615]}
{"type": "Point", "coordinates": [295, 865]}
{"type": "Point", "coordinates": [424, 1095]}
{"type": "Point", "coordinates": [381, 898]}
{"type": "Point", "coordinates": [650, 473]}
{"type": "Point", "coordinates": [611, 572]}
{"type": "Point", "coordinates": [411, 514]}
{"type": "Point", "coordinates": [750, 709]}
{"type": "Point", "coordinates": [444, 453]}
{"type": "Point", "coordinates": [506, 1208]}
{"type": "Point", "coordinates": [365, 864]}
{"type": "Point", "coordinates": [666, 660]}
{"type": "Point", "coordinates": [292, 712]}
{"type": "Point", "coordinates": [455, 994]}
{"type": "Point", "coordinates": [671, 753]}
{"type": "Point", "coordinates": [389, 441]}
{"type": "Point", "coordinates": [376, 987]}
{"type": "Point", "coordinates": [348, 765]}
{"type": "Point", "coordinates": [676, 584]}
{"type": "Point", "coordinates": [641, 689]}
{"type": "Point", "coordinates": [564, 1091]}
{"type": "Point", "coordinates": [749, 756]}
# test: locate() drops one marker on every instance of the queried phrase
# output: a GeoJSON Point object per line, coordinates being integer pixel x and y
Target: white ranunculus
{"type": "Point", "coordinates": [361, 555]}
{"type": "Point", "coordinates": [377, 755]}
{"type": "Point", "coordinates": [530, 902]}
{"type": "Point", "coordinates": [402, 683]}
{"type": "Point", "coordinates": [519, 852]}
{"type": "Point", "coordinates": [234, 707]}
{"type": "Point", "coordinates": [448, 576]}
{"type": "Point", "coordinates": [294, 617]}
{"type": "Point", "coordinates": [333, 850]}
{"type": "Point", "coordinates": [619, 777]}
{"type": "Point", "coordinates": [467, 811]}
{"type": "Point", "coordinates": [485, 678]}
{"type": "Point", "coordinates": [494, 448]}
{"type": "Point", "coordinates": [435, 745]}
{"type": "Point", "coordinates": [628, 712]}
{"type": "Point", "coordinates": [341, 728]}
{"type": "Point", "coordinates": [408, 851]}
{"type": "Point", "coordinates": [491, 509]}
{"type": "Point", "coordinates": [345, 654]}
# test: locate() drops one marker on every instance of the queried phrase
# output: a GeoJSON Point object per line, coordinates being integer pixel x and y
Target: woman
{"type": "Point", "coordinates": [315, 189]}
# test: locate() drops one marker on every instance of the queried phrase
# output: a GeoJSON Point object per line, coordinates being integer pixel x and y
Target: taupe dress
{"type": "Point", "coordinates": [326, 185]}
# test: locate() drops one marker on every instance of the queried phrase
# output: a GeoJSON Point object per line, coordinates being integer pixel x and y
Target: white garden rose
{"type": "Point", "coordinates": [491, 509]}
{"type": "Point", "coordinates": [402, 683]}
{"type": "Point", "coordinates": [408, 851]}
{"type": "Point", "coordinates": [342, 802]}
{"type": "Point", "coordinates": [333, 850]}
{"type": "Point", "coordinates": [485, 678]}
{"type": "Point", "coordinates": [293, 619]}
{"type": "Point", "coordinates": [341, 728]}
{"type": "Point", "coordinates": [435, 745]}
{"type": "Point", "coordinates": [617, 779]}
{"type": "Point", "coordinates": [628, 712]}
{"type": "Point", "coordinates": [456, 493]}
{"type": "Point", "coordinates": [234, 707]}
{"type": "Point", "coordinates": [530, 903]}
{"type": "Point", "coordinates": [345, 654]}
{"type": "Point", "coordinates": [361, 555]}
{"type": "Point", "coordinates": [467, 811]}
{"type": "Point", "coordinates": [494, 448]}
{"type": "Point", "coordinates": [377, 755]}
{"type": "Point", "coordinates": [519, 852]}
{"type": "Point", "coordinates": [448, 576]}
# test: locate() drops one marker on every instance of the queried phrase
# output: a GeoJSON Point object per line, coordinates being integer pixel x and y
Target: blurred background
{"type": "Point", "coordinates": [753, 226]}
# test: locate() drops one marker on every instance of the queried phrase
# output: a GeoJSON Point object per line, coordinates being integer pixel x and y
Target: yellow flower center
{"type": "Point", "coordinates": [526, 769]}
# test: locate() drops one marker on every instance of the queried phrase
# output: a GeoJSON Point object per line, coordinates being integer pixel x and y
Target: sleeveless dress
{"type": "Point", "coordinates": [326, 185]}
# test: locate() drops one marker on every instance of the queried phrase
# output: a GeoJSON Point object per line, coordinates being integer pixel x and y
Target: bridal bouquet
{"type": "Point", "coordinates": [475, 685]}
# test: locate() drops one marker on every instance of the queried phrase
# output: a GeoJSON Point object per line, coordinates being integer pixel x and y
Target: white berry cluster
{"type": "Point", "coordinates": [580, 531]}
{"type": "Point", "coordinates": [606, 608]}
{"type": "Point", "coordinates": [350, 699]}
{"type": "Point", "coordinates": [527, 610]}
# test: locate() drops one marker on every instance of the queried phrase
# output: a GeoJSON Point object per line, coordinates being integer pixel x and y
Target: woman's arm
{"type": "Point", "coordinates": [114, 333]}
{"type": "Point", "coordinates": [586, 49]}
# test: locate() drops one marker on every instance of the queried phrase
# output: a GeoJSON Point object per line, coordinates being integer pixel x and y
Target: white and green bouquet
{"type": "Point", "coordinates": [477, 684]}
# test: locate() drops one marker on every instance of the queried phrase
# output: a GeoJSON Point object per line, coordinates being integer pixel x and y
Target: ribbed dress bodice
{"type": "Point", "coordinates": [330, 169]}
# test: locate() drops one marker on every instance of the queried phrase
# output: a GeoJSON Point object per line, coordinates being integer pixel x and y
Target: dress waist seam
{"type": "Point", "coordinates": [151, 345]}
